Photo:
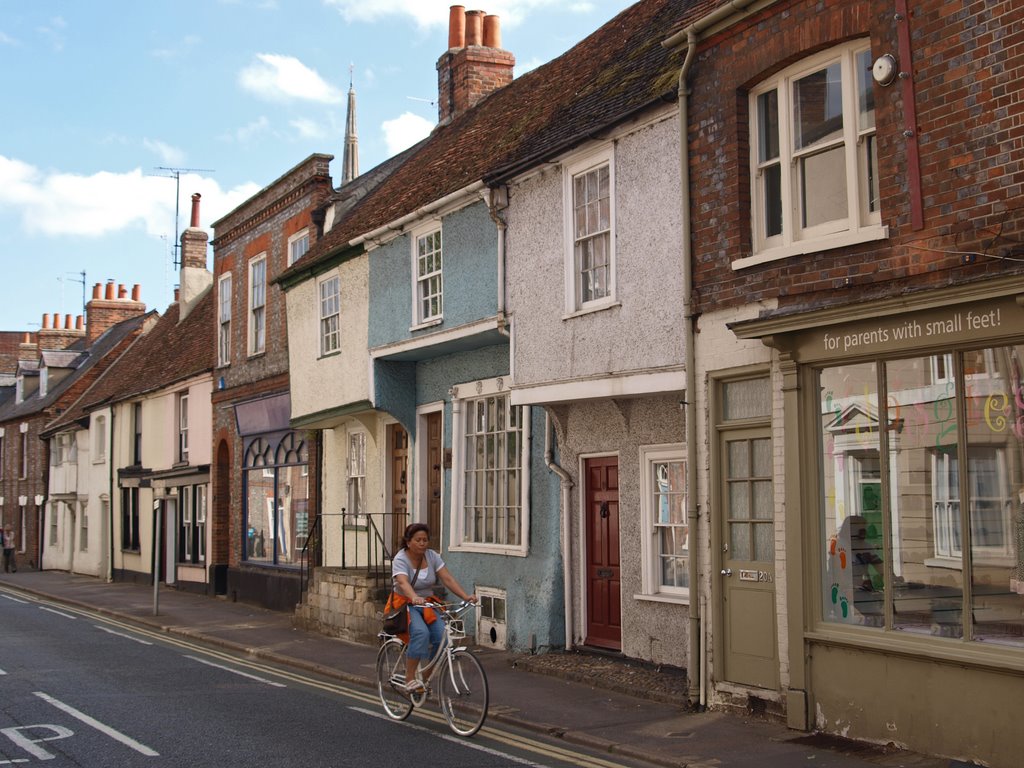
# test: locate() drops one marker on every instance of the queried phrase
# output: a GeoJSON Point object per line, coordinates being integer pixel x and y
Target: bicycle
{"type": "Point", "coordinates": [461, 683]}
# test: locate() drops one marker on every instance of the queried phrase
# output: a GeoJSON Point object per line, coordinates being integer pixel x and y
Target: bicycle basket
{"type": "Point", "coordinates": [457, 629]}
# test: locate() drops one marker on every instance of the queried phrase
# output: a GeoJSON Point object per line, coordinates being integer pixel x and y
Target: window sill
{"type": "Point", "coordinates": [426, 324]}
{"type": "Point", "coordinates": [325, 355]}
{"type": "Point", "coordinates": [950, 563]}
{"type": "Point", "coordinates": [100, 460]}
{"type": "Point", "coordinates": [253, 355]}
{"type": "Point", "coordinates": [664, 598]}
{"type": "Point", "coordinates": [813, 245]}
{"type": "Point", "coordinates": [589, 310]}
{"type": "Point", "coordinates": [484, 549]}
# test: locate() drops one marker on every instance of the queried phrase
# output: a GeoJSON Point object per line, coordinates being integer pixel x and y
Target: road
{"type": "Point", "coordinates": [81, 689]}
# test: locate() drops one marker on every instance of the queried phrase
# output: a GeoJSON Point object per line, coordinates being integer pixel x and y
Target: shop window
{"type": "Point", "coordinates": [130, 519]}
{"type": "Point", "coordinates": [921, 493]}
{"type": "Point", "coordinates": [276, 499]}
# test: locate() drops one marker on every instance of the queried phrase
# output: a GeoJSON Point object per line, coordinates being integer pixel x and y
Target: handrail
{"type": "Point", "coordinates": [365, 544]}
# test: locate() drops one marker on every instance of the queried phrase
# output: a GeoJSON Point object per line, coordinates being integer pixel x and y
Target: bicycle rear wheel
{"type": "Point", "coordinates": [462, 690]}
{"type": "Point", "coordinates": [390, 677]}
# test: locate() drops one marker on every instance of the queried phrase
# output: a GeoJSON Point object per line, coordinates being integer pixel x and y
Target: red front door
{"type": "Point", "coordinates": [604, 611]}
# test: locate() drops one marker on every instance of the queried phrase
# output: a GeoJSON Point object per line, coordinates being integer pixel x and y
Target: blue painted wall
{"type": "Point", "coordinates": [469, 242]}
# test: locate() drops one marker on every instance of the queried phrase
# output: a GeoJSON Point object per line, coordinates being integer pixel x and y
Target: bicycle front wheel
{"type": "Point", "coordinates": [463, 693]}
{"type": "Point", "coordinates": [390, 678]}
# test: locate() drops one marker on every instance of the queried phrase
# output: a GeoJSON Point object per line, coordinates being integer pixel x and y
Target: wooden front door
{"type": "Point", "coordinates": [750, 649]}
{"type": "Point", "coordinates": [398, 460]}
{"type": "Point", "coordinates": [434, 473]}
{"type": "Point", "coordinates": [604, 610]}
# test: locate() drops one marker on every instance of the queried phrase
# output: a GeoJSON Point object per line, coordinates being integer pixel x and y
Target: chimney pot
{"type": "Point", "coordinates": [46, 320]}
{"type": "Point", "coordinates": [177, 295]}
{"type": "Point", "coordinates": [195, 209]}
{"type": "Point", "coordinates": [26, 338]}
{"type": "Point", "coordinates": [136, 292]}
{"type": "Point", "coordinates": [110, 290]}
{"type": "Point", "coordinates": [97, 291]}
{"type": "Point", "coordinates": [122, 292]}
{"type": "Point", "coordinates": [492, 31]}
{"type": "Point", "coordinates": [474, 27]}
{"type": "Point", "coordinates": [457, 26]}
{"type": "Point", "coordinates": [67, 322]}
{"type": "Point", "coordinates": [79, 323]}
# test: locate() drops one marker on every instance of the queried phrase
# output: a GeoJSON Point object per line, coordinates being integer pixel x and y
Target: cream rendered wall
{"type": "Point", "coordinates": [644, 331]}
{"type": "Point", "coordinates": [94, 482]}
{"type": "Point", "coordinates": [121, 455]}
{"type": "Point", "coordinates": [61, 506]}
{"type": "Point", "coordinates": [350, 546]}
{"type": "Point", "coordinates": [321, 383]}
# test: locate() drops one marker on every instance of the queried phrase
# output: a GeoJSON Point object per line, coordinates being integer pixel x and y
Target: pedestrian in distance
{"type": "Point", "coordinates": [415, 573]}
{"type": "Point", "coordinates": [10, 566]}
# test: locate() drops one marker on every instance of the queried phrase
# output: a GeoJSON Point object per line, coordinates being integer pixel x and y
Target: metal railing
{"type": "Point", "coordinates": [368, 543]}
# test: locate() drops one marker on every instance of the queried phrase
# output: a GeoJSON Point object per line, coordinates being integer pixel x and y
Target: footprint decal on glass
{"type": "Point", "coordinates": [845, 606]}
{"type": "Point", "coordinates": [842, 558]}
{"type": "Point", "coordinates": [835, 594]}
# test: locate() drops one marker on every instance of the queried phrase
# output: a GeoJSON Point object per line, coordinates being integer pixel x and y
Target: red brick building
{"type": "Point", "coordinates": [264, 493]}
{"type": "Point", "coordinates": [51, 374]}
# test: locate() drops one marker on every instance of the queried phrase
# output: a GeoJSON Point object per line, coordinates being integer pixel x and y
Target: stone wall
{"type": "Point", "coordinates": [343, 603]}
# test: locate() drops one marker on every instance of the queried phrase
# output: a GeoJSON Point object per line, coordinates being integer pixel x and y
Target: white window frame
{"type": "Point", "coordinates": [23, 469]}
{"type": "Point", "coordinates": [83, 526]}
{"type": "Point", "coordinates": [650, 541]}
{"type": "Point", "coordinates": [257, 308]}
{"type": "Point", "coordinates": [589, 163]}
{"type": "Point", "coordinates": [421, 281]}
{"type": "Point", "coordinates": [202, 501]}
{"type": "Point", "coordinates": [182, 411]}
{"type": "Point", "coordinates": [99, 439]}
{"type": "Point", "coordinates": [356, 478]}
{"type": "Point", "coordinates": [329, 294]}
{"type": "Point", "coordinates": [187, 522]}
{"type": "Point", "coordinates": [464, 396]}
{"type": "Point", "coordinates": [860, 225]}
{"type": "Point", "coordinates": [298, 245]}
{"type": "Point", "coordinates": [224, 297]}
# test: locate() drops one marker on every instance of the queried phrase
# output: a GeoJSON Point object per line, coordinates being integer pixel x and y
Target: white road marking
{"type": "Point", "coordinates": [59, 613]}
{"type": "Point", "coordinates": [455, 739]}
{"type": "Point", "coordinates": [2, 672]}
{"type": "Point", "coordinates": [122, 634]}
{"type": "Point", "coordinates": [237, 672]}
{"type": "Point", "coordinates": [92, 722]}
{"type": "Point", "coordinates": [16, 600]}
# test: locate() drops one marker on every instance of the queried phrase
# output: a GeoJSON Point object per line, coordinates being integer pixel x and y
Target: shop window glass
{"type": "Point", "coordinates": [924, 521]}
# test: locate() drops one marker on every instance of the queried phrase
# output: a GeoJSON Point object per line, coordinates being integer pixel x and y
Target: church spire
{"type": "Point", "coordinates": [350, 157]}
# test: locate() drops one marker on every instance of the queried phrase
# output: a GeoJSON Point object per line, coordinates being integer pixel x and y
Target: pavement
{"type": "Point", "coordinates": [610, 705]}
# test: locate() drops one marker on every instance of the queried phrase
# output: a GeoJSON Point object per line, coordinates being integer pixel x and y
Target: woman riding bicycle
{"type": "Point", "coordinates": [415, 572]}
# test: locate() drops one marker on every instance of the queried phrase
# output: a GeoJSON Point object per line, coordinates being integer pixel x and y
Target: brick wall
{"type": "Point", "coordinates": [970, 119]}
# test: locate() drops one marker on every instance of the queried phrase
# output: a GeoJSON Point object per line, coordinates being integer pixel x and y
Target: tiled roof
{"type": "Point", "coordinates": [170, 352]}
{"type": "Point", "coordinates": [95, 359]}
{"type": "Point", "coordinates": [612, 74]}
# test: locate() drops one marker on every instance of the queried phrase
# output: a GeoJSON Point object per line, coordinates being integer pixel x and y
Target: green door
{"type": "Point", "coordinates": [747, 574]}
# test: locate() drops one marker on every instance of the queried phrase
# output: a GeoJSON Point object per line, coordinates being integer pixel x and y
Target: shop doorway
{"type": "Point", "coordinates": [398, 463]}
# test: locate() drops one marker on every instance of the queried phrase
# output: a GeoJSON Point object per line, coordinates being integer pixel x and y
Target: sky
{"type": "Point", "coordinates": [111, 110]}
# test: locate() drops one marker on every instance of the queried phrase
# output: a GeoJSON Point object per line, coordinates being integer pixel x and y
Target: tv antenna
{"type": "Point", "coordinates": [79, 279]}
{"type": "Point", "coordinates": [175, 173]}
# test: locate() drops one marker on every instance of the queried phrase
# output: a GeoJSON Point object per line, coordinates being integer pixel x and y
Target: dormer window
{"type": "Point", "coordinates": [44, 380]}
{"type": "Point", "coordinates": [19, 390]}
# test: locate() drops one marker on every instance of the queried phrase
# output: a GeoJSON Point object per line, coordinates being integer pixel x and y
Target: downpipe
{"type": "Point", "coordinates": [566, 488]}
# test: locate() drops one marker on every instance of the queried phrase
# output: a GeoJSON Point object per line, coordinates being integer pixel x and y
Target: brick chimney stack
{"type": "Point", "coordinates": [28, 349]}
{"type": "Point", "coordinates": [195, 278]}
{"type": "Point", "coordinates": [108, 307]}
{"type": "Point", "coordinates": [60, 335]}
{"type": "Point", "coordinates": [474, 66]}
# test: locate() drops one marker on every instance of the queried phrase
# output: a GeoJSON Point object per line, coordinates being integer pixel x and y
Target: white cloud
{"type": "Point", "coordinates": [54, 32]}
{"type": "Point", "coordinates": [434, 13]}
{"type": "Point", "coordinates": [308, 129]}
{"type": "Point", "coordinates": [184, 47]}
{"type": "Point", "coordinates": [168, 155]}
{"type": "Point", "coordinates": [249, 132]}
{"type": "Point", "coordinates": [284, 78]}
{"type": "Point", "coordinates": [402, 132]}
{"type": "Point", "coordinates": [55, 204]}
{"type": "Point", "coordinates": [7, 40]}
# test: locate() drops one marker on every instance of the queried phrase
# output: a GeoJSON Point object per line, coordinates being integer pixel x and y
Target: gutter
{"type": "Point", "coordinates": [733, 11]}
{"type": "Point", "coordinates": [431, 207]}
{"type": "Point", "coordinates": [566, 488]}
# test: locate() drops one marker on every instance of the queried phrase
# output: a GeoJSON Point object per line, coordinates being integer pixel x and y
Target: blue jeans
{"type": "Point", "coordinates": [424, 638]}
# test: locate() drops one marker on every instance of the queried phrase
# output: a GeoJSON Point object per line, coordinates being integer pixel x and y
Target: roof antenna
{"type": "Point", "coordinates": [175, 173]}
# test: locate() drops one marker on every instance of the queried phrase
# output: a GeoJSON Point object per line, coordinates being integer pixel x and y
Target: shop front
{"type": "Point", "coordinates": [904, 479]}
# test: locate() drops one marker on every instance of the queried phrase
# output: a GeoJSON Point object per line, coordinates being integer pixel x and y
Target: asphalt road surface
{"type": "Point", "coordinates": [80, 689]}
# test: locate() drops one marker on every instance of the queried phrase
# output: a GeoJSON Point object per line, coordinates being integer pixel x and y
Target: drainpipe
{"type": "Point", "coordinates": [499, 223]}
{"type": "Point", "coordinates": [566, 486]}
{"type": "Point", "coordinates": [110, 496]}
{"type": "Point", "coordinates": [691, 36]}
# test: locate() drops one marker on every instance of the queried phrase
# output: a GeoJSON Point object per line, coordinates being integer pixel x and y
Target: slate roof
{"type": "Point", "coordinates": [97, 358]}
{"type": "Point", "coordinates": [617, 71]}
{"type": "Point", "coordinates": [170, 352]}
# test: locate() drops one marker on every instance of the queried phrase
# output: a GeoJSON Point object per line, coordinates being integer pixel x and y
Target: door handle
{"type": "Point", "coordinates": [727, 571]}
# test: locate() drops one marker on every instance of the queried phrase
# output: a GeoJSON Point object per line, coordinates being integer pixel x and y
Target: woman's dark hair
{"type": "Point", "coordinates": [411, 530]}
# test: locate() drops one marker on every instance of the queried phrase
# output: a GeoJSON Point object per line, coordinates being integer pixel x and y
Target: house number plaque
{"type": "Point", "coordinates": [750, 575]}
